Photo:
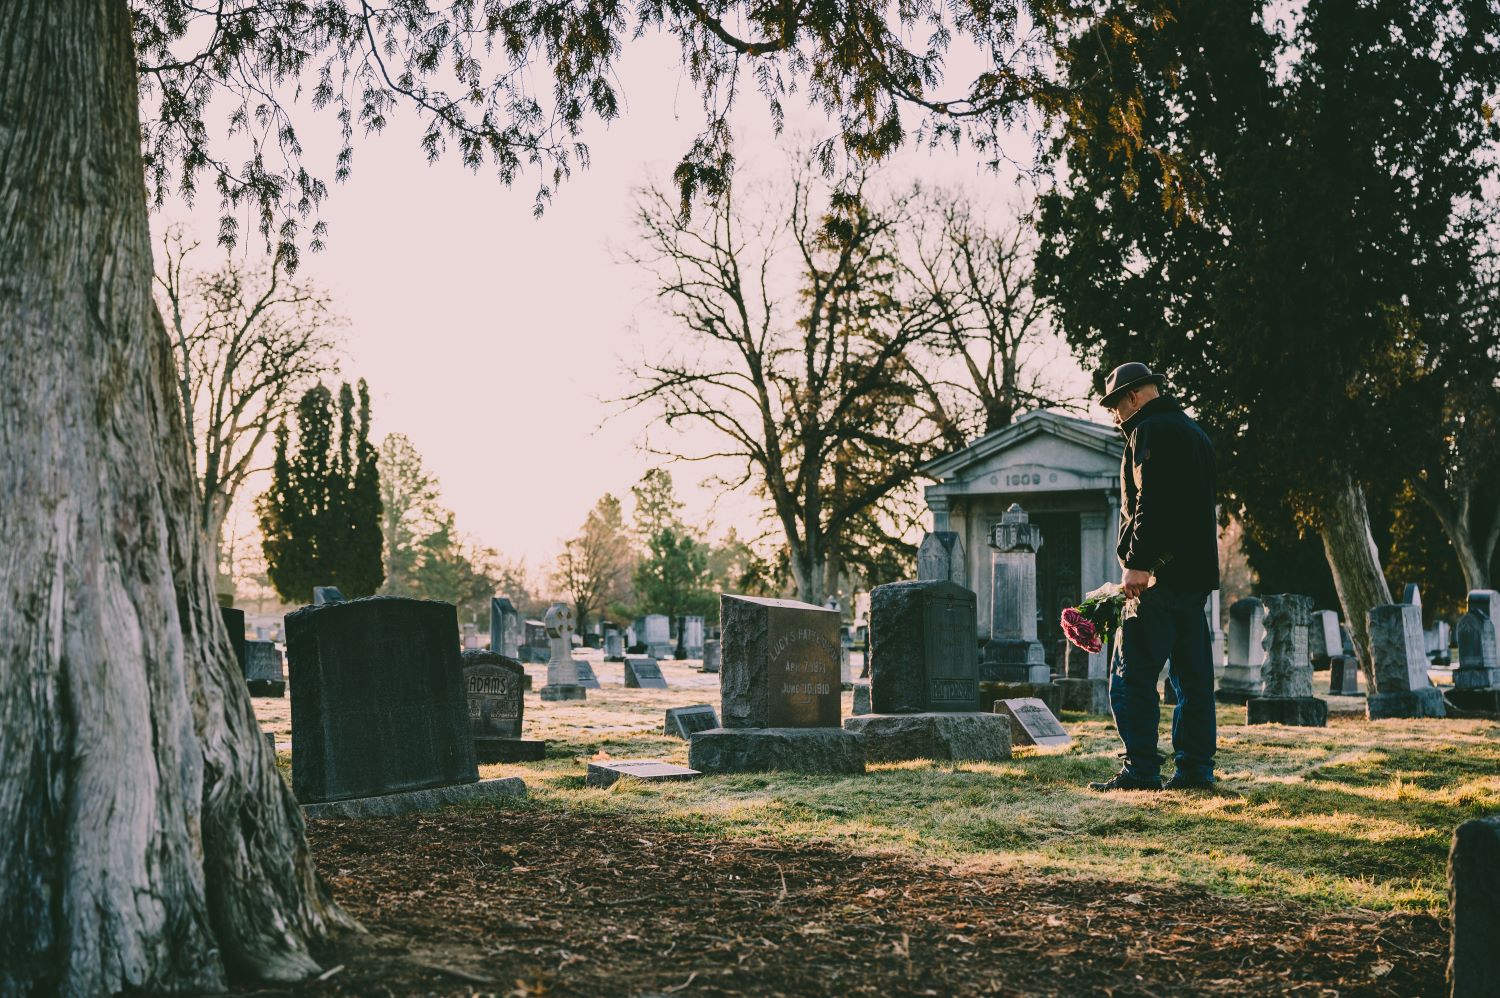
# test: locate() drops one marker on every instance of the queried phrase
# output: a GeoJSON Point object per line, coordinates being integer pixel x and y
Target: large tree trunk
{"type": "Point", "coordinates": [149, 842]}
{"type": "Point", "coordinates": [1355, 562]}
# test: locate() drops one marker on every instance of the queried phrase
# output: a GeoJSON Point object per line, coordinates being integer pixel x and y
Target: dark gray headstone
{"type": "Point", "coordinates": [505, 627]}
{"type": "Point", "coordinates": [713, 655]}
{"type": "Point", "coordinates": [263, 673]}
{"type": "Point", "coordinates": [1397, 649]}
{"type": "Point", "coordinates": [682, 722]}
{"type": "Point", "coordinates": [923, 656]}
{"type": "Point", "coordinates": [327, 594]}
{"type": "Point", "coordinates": [234, 623]}
{"type": "Point", "coordinates": [642, 673]}
{"type": "Point", "coordinates": [1033, 723]}
{"type": "Point", "coordinates": [1474, 909]}
{"type": "Point", "coordinates": [535, 647]}
{"type": "Point", "coordinates": [1327, 641]}
{"type": "Point", "coordinates": [1478, 635]}
{"type": "Point", "coordinates": [1343, 676]}
{"type": "Point", "coordinates": [494, 687]}
{"type": "Point", "coordinates": [781, 664]}
{"type": "Point", "coordinates": [586, 677]}
{"type": "Point", "coordinates": [378, 703]}
{"type": "Point", "coordinates": [940, 556]}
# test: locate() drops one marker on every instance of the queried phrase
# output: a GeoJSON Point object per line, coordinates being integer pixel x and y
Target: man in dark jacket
{"type": "Point", "coordinates": [1169, 551]}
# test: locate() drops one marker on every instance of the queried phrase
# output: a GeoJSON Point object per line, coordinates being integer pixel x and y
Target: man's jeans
{"type": "Point", "coordinates": [1172, 625]}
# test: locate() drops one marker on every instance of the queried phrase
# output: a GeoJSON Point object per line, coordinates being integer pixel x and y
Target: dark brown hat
{"type": "Point", "coordinates": [1125, 377]}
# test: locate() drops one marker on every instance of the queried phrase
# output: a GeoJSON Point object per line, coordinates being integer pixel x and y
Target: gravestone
{"type": "Point", "coordinates": [1327, 641]}
{"type": "Point", "coordinates": [608, 772]}
{"type": "Point", "coordinates": [562, 670]}
{"type": "Point", "coordinates": [924, 682]}
{"type": "Point", "coordinates": [1287, 672]}
{"type": "Point", "coordinates": [1474, 909]}
{"type": "Point", "coordinates": [471, 637]}
{"type": "Point", "coordinates": [586, 677]}
{"type": "Point", "coordinates": [846, 658]}
{"type": "Point", "coordinates": [1247, 633]}
{"type": "Point", "coordinates": [614, 646]}
{"type": "Point", "coordinates": [1476, 681]}
{"type": "Point", "coordinates": [712, 655]}
{"type": "Point", "coordinates": [657, 634]}
{"type": "Point", "coordinates": [1013, 654]}
{"type": "Point", "coordinates": [779, 693]}
{"type": "Point", "coordinates": [495, 688]}
{"type": "Point", "coordinates": [234, 623]}
{"type": "Point", "coordinates": [861, 699]}
{"type": "Point", "coordinates": [263, 674]}
{"type": "Point", "coordinates": [1343, 676]}
{"type": "Point", "coordinates": [684, 722]}
{"type": "Point", "coordinates": [1402, 688]}
{"type": "Point", "coordinates": [1411, 595]}
{"type": "Point", "coordinates": [1439, 641]}
{"type": "Point", "coordinates": [327, 594]}
{"type": "Point", "coordinates": [505, 627]}
{"type": "Point", "coordinates": [1084, 685]}
{"type": "Point", "coordinates": [536, 647]}
{"type": "Point", "coordinates": [1212, 610]}
{"type": "Point", "coordinates": [642, 673]}
{"type": "Point", "coordinates": [1032, 723]}
{"type": "Point", "coordinates": [692, 636]}
{"type": "Point", "coordinates": [378, 705]}
{"type": "Point", "coordinates": [940, 558]}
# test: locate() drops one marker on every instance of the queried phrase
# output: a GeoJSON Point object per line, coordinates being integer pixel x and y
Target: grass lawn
{"type": "Point", "coordinates": [1356, 815]}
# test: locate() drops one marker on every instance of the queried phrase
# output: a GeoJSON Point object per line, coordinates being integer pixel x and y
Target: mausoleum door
{"type": "Point", "coordinates": [1058, 576]}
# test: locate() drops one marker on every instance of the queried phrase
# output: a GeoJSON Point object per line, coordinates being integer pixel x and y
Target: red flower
{"type": "Point", "coordinates": [1081, 631]}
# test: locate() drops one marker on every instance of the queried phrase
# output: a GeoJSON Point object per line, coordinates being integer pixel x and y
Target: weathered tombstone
{"type": "Point", "coordinates": [1402, 688]}
{"type": "Point", "coordinates": [263, 674]}
{"type": "Point", "coordinates": [586, 677]}
{"type": "Point", "coordinates": [1287, 672]}
{"type": "Point", "coordinates": [505, 628]}
{"type": "Point", "coordinates": [537, 647]}
{"type": "Point", "coordinates": [562, 670]}
{"type": "Point", "coordinates": [234, 623]}
{"type": "Point", "coordinates": [1084, 685]}
{"type": "Point", "coordinates": [924, 680]}
{"type": "Point", "coordinates": [495, 688]}
{"type": "Point", "coordinates": [846, 657]}
{"type": "Point", "coordinates": [1343, 676]}
{"type": "Point", "coordinates": [1013, 654]}
{"type": "Point", "coordinates": [608, 772]}
{"type": "Point", "coordinates": [861, 700]}
{"type": "Point", "coordinates": [779, 693]}
{"type": "Point", "coordinates": [1327, 642]}
{"type": "Point", "coordinates": [658, 636]}
{"type": "Point", "coordinates": [1032, 723]}
{"type": "Point", "coordinates": [1212, 611]}
{"type": "Point", "coordinates": [684, 722]}
{"type": "Point", "coordinates": [692, 636]}
{"type": "Point", "coordinates": [471, 637]}
{"type": "Point", "coordinates": [1439, 641]}
{"type": "Point", "coordinates": [379, 719]}
{"type": "Point", "coordinates": [1474, 909]}
{"type": "Point", "coordinates": [327, 594]}
{"type": "Point", "coordinates": [1242, 678]}
{"type": "Point", "coordinates": [1476, 681]}
{"type": "Point", "coordinates": [642, 673]}
{"type": "Point", "coordinates": [614, 646]}
{"type": "Point", "coordinates": [940, 558]}
{"type": "Point", "coordinates": [1411, 595]}
{"type": "Point", "coordinates": [712, 655]}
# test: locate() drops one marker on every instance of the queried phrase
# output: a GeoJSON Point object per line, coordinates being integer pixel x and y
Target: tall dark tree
{"type": "Point", "coordinates": [321, 518]}
{"type": "Point", "coordinates": [102, 543]}
{"type": "Point", "coordinates": [1301, 230]}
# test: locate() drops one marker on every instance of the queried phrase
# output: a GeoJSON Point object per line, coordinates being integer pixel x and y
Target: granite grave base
{"type": "Point", "coordinates": [492, 750]}
{"type": "Point", "coordinates": [273, 688]}
{"type": "Point", "coordinates": [1089, 696]}
{"type": "Point", "coordinates": [1427, 702]}
{"type": "Point", "coordinates": [794, 750]}
{"type": "Point", "coordinates": [1476, 703]}
{"type": "Point", "coordinates": [560, 692]}
{"type": "Point", "coordinates": [408, 801]}
{"type": "Point", "coordinates": [612, 771]}
{"type": "Point", "coordinates": [946, 737]}
{"type": "Point", "coordinates": [1301, 712]}
{"type": "Point", "coordinates": [1049, 693]}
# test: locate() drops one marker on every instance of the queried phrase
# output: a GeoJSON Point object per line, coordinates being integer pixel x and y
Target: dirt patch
{"type": "Point", "coordinates": [528, 901]}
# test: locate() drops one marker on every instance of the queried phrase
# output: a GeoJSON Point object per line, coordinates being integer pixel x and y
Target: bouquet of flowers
{"type": "Point", "coordinates": [1089, 625]}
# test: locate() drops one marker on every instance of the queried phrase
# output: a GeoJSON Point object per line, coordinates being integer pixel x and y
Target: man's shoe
{"type": "Point", "coordinates": [1125, 780]}
{"type": "Point", "coordinates": [1181, 781]}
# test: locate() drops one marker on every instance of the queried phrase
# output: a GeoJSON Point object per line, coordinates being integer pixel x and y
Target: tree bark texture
{"type": "Point", "coordinates": [148, 840]}
{"type": "Point", "coordinates": [1355, 562]}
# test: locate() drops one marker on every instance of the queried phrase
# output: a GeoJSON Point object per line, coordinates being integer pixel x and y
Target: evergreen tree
{"type": "Point", "coordinates": [320, 519]}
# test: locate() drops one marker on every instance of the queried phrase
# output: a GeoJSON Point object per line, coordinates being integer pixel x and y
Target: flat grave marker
{"type": "Point", "coordinates": [684, 722]}
{"type": "Point", "coordinates": [642, 673]}
{"type": "Point", "coordinates": [1033, 723]}
{"type": "Point", "coordinates": [609, 772]}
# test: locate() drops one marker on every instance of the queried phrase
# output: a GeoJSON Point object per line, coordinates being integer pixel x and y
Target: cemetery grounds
{"type": "Point", "coordinates": [1320, 870]}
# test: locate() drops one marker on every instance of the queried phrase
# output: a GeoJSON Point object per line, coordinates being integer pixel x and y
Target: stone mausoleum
{"type": "Point", "coordinates": [1065, 472]}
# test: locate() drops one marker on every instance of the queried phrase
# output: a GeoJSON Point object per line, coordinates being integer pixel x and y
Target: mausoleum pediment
{"type": "Point", "coordinates": [1042, 451]}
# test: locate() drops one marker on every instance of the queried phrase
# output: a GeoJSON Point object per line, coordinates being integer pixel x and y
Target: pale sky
{"type": "Point", "coordinates": [493, 339]}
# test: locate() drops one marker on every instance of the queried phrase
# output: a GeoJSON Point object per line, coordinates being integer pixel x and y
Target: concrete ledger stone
{"type": "Point", "coordinates": [794, 750]}
{"type": "Point", "coordinates": [409, 801]}
{"type": "Point", "coordinates": [1090, 696]}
